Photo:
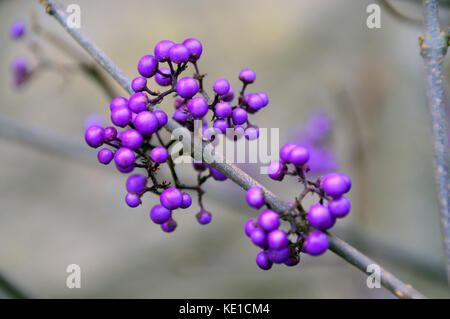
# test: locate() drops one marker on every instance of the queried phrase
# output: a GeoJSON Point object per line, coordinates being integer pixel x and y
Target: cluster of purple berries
{"type": "Point", "coordinates": [305, 233]}
{"type": "Point", "coordinates": [20, 67]}
{"type": "Point", "coordinates": [140, 145]}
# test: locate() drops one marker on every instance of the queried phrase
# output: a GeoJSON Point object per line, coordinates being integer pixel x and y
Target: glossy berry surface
{"type": "Point", "coordinates": [340, 207]}
{"type": "Point", "coordinates": [159, 154]}
{"type": "Point", "coordinates": [121, 116]}
{"type": "Point", "coordinates": [178, 53]}
{"type": "Point", "coordinates": [132, 139]}
{"type": "Point", "coordinates": [187, 87]}
{"type": "Point", "coordinates": [255, 197]}
{"type": "Point", "coordinates": [195, 48]}
{"type": "Point", "coordinates": [138, 102]}
{"type": "Point", "coordinates": [146, 122]}
{"type": "Point", "coordinates": [221, 86]}
{"type": "Point", "coordinates": [263, 261]}
{"type": "Point", "coordinates": [277, 239]}
{"type": "Point", "coordinates": [198, 107]}
{"type": "Point", "coordinates": [298, 155]}
{"type": "Point", "coordinates": [319, 216]}
{"type": "Point", "coordinates": [160, 214]}
{"type": "Point", "coordinates": [316, 243]}
{"type": "Point", "coordinates": [204, 217]}
{"type": "Point", "coordinates": [162, 50]}
{"type": "Point", "coordinates": [334, 185]}
{"type": "Point", "coordinates": [247, 76]}
{"type": "Point", "coordinates": [171, 198]}
{"type": "Point", "coordinates": [105, 156]}
{"type": "Point", "coordinates": [147, 66]}
{"type": "Point", "coordinates": [132, 200]}
{"type": "Point", "coordinates": [119, 101]}
{"type": "Point", "coordinates": [223, 109]}
{"type": "Point", "coordinates": [136, 183]}
{"type": "Point", "coordinates": [94, 136]}
{"type": "Point", "coordinates": [275, 170]}
{"type": "Point", "coordinates": [124, 157]}
{"type": "Point", "coordinates": [163, 79]}
{"type": "Point", "coordinates": [268, 220]}
{"type": "Point", "coordinates": [169, 226]}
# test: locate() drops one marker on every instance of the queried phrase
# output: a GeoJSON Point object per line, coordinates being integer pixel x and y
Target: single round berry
{"type": "Point", "coordinates": [169, 226]}
{"type": "Point", "coordinates": [228, 97]}
{"type": "Point", "coordinates": [278, 256]}
{"type": "Point", "coordinates": [110, 133]}
{"type": "Point", "coordinates": [132, 200]}
{"type": "Point", "coordinates": [255, 102]}
{"type": "Point", "coordinates": [319, 216]}
{"type": "Point", "coordinates": [20, 71]}
{"type": "Point", "coordinates": [159, 214]}
{"type": "Point", "coordinates": [263, 261]}
{"type": "Point", "coordinates": [239, 116]}
{"type": "Point", "coordinates": [162, 118]}
{"type": "Point", "coordinates": [251, 132]}
{"type": "Point", "coordinates": [136, 183]}
{"type": "Point", "coordinates": [292, 261]}
{"type": "Point", "coordinates": [187, 201]}
{"type": "Point", "coordinates": [162, 49]}
{"type": "Point", "coordinates": [147, 66]}
{"type": "Point", "coordinates": [171, 198]}
{"type": "Point", "coordinates": [220, 126]}
{"type": "Point", "coordinates": [187, 87]}
{"type": "Point", "coordinates": [316, 243]}
{"type": "Point", "coordinates": [195, 48]}
{"type": "Point", "coordinates": [247, 76]}
{"type": "Point", "coordinates": [255, 197]}
{"type": "Point", "coordinates": [132, 139]}
{"type": "Point", "coordinates": [138, 102]}
{"type": "Point", "coordinates": [221, 86]}
{"type": "Point", "coordinates": [181, 115]}
{"type": "Point", "coordinates": [159, 154]}
{"type": "Point", "coordinates": [339, 207]}
{"type": "Point", "coordinates": [285, 150]}
{"type": "Point", "coordinates": [161, 79]}
{"type": "Point", "coordinates": [334, 185]}
{"type": "Point", "coordinates": [124, 157]}
{"type": "Point", "coordinates": [298, 155]}
{"type": "Point", "coordinates": [17, 30]}
{"type": "Point", "coordinates": [250, 226]}
{"type": "Point", "coordinates": [118, 101]}
{"type": "Point", "coordinates": [139, 84]}
{"type": "Point", "coordinates": [178, 53]}
{"type": "Point", "coordinates": [263, 96]}
{"type": "Point", "coordinates": [125, 170]}
{"type": "Point", "coordinates": [204, 217]}
{"type": "Point", "coordinates": [277, 239]}
{"type": "Point", "coordinates": [269, 220]}
{"type": "Point", "coordinates": [121, 116]}
{"type": "Point", "coordinates": [223, 109]}
{"type": "Point", "coordinates": [198, 107]}
{"type": "Point", "coordinates": [146, 122]}
{"type": "Point", "coordinates": [259, 238]}
{"type": "Point", "coordinates": [105, 156]}
{"type": "Point", "coordinates": [276, 170]}
{"type": "Point", "coordinates": [94, 136]}
{"type": "Point", "coordinates": [347, 181]}
{"type": "Point", "coordinates": [218, 176]}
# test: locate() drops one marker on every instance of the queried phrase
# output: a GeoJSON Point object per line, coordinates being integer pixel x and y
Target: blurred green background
{"type": "Point", "coordinates": [57, 210]}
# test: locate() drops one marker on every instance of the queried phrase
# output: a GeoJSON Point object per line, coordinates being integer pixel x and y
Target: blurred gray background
{"type": "Point", "coordinates": [57, 209]}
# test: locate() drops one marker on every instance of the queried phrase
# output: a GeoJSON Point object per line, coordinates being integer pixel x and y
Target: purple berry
{"type": "Point", "coordinates": [347, 181]}
{"type": "Point", "coordinates": [250, 226]}
{"type": "Point", "coordinates": [316, 243]}
{"type": "Point", "coordinates": [178, 53]}
{"type": "Point", "coordinates": [136, 183]}
{"type": "Point", "coordinates": [247, 76]}
{"type": "Point", "coordinates": [251, 132]}
{"type": "Point", "coordinates": [319, 216]}
{"type": "Point", "coordinates": [218, 176]}
{"type": "Point", "coordinates": [118, 101]}
{"type": "Point", "coordinates": [277, 239]}
{"type": "Point", "coordinates": [161, 79]}
{"type": "Point", "coordinates": [178, 102]}
{"type": "Point", "coordinates": [221, 126]}
{"type": "Point", "coordinates": [147, 66]}
{"type": "Point", "coordinates": [263, 261]}
{"type": "Point", "coordinates": [125, 170]}
{"type": "Point", "coordinates": [159, 214]}
{"type": "Point", "coordinates": [292, 261]}
{"type": "Point", "coordinates": [105, 156]}
{"type": "Point", "coordinates": [285, 150]}
{"type": "Point", "coordinates": [146, 122]}
{"type": "Point", "coordinates": [263, 96]}
{"type": "Point", "coordinates": [161, 116]}
{"type": "Point", "coordinates": [199, 166]}
{"type": "Point", "coordinates": [132, 139]}
{"type": "Point", "coordinates": [132, 200]}
{"type": "Point", "coordinates": [110, 133]}
{"type": "Point", "coordinates": [171, 198]}
{"type": "Point", "coordinates": [278, 256]}
{"type": "Point", "coordinates": [255, 102]}
{"type": "Point", "coordinates": [169, 226]}
{"type": "Point", "coordinates": [198, 107]}
{"type": "Point", "coordinates": [223, 109]}
{"type": "Point", "coordinates": [181, 115]}
{"type": "Point", "coordinates": [17, 30]}
{"type": "Point", "coordinates": [239, 116]}
{"type": "Point", "coordinates": [187, 201]}
{"type": "Point", "coordinates": [204, 217]}
{"type": "Point", "coordinates": [20, 71]}
{"type": "Point", "coordinates": [339, 207]}
{"type": "Point", "coordinates": [138, 102]}
{"type": "Point", "coordinates": [195, 48]}
{"type": "Point", "coordinates": [162, 49]}
{"type": "Point", "coordinates": [269, 220]}
{"type": "Point", "coordinates": [121, 116]}
{"type": "Point", "coordinates": [221, 86]}
{"type": "Point", "coordinates": [228, 97]}
{"type": "Point", "coordinates": [187, 87]}
{"type": "Point", "coordinates": [276, 170]}
{"type": "Point", "coordinates": [298, 155]}
{"type": "Point", "coordinates": [94, 136]}
{"type": "Point", "coordinates": [259, 238]}
{"type": "Point", "coordinates": [334, 185]}
{"type": "Point", "coordinates": [159, 154]}
{"type": "Point", "coordinates": [139, 84]}
{"type": "Point", "coordinates": [124, 158]}
{"type": "Point", "coordinates": [255, 197]}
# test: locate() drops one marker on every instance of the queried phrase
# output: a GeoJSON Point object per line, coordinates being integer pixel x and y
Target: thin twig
{"type": "Point", "coordinates": [10, 289]}
{"type": "Point", "coordinates": [338, 246]}
{"type": "Point", "coordinates": [433, 48]}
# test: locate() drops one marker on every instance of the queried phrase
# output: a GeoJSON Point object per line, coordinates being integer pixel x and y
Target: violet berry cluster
{"type": "Point", "coordinates": [134, 141]}
{"type": "Point", "coordinates": [305, 229]}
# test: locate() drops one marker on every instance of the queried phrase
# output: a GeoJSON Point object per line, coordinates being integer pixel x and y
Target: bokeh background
{"type": "Point", "coordinates": [58, 206]}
